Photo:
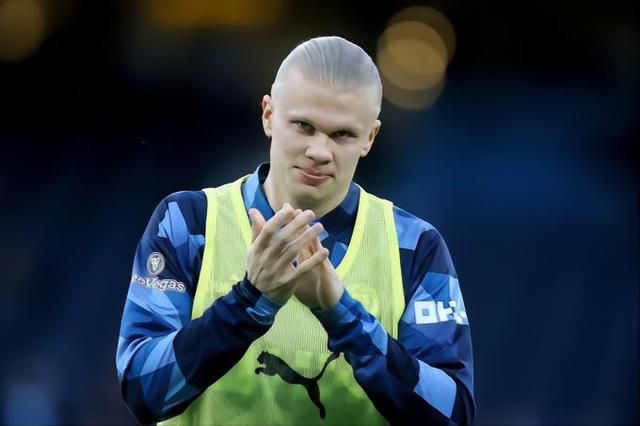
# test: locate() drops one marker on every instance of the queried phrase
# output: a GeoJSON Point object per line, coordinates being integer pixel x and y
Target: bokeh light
{"type": "Point", "coordinates": [207, 13]}
{"type": "Point", "coordinates": [22, 28]}
{"type": "Point", "coordinates": [412, 54]}
{"type": "Point", "coordinates": [412, 99]}
{"type": "Point", "coordinates": [432, 18]}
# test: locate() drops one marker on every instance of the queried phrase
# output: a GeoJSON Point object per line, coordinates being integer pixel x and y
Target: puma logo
{"type": "Point", "coordinates": [274, 365]}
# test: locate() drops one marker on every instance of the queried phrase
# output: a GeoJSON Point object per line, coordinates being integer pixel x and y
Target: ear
{"type": "Point", "coordinates": [375, 128]}
{"type": "Point", "coordinates": [267, 114]}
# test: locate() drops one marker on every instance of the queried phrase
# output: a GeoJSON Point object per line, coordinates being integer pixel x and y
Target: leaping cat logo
{"type": "Point", "coordinates": [274, 365]}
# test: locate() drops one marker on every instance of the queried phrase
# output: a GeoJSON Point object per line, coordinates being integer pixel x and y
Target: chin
{"type": "Point", "coordinates": [308, 196]}
{"type": "Point", "coordinates": [309, 191]}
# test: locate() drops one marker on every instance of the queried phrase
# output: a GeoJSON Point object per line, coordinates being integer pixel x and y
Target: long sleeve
{"type": "Point", "coordinates": [427, 372]}
{"type": "Point", "coordinates": [164, 359]}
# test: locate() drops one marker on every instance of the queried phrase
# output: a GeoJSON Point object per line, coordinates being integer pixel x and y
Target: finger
{"type": "Point", "coordinates": [273, 225]}
{"type": "Point", "coordinates": [283, 259]}
{"type": "Point", "coordinates": [317, 258]}
{"type": "Point", "coordinates": [296, 213]}
{"type": "Point", "coordinates": [289, 232]}
{"type": "Point", "coordinates": [306, 251]}
{"type": "Point", "coordinates": [296, 246]}
{"type": "Point", "coordinates": [257, 223]}
{"type": "Point", "coordinates": [301, 230]}
{"type": "Point", "coordinates": [310, 248]}
{"type": "Point", "coordinates": [327, 262]}
{"type": "Point", "coordinates": [293, 229]}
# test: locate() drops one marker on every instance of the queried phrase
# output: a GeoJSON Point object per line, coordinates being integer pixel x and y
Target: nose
{"type": "Point", "coordinates": [319, 148]}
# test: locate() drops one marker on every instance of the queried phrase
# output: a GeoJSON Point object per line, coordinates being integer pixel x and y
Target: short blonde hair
{"type": "Point", "coordinates": [334, 62]}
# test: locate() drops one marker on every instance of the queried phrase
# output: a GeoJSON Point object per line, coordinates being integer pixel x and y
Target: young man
{"type": "Point", "coordinates": [337, 308]}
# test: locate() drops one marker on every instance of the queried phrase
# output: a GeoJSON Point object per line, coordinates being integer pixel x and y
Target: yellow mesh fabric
{"type": "Point", "coordinates": [371, 273]}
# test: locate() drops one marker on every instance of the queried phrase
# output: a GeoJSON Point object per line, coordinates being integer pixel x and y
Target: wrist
{"type": "Point", "coordinates": [331, 297]}
{"type": "Point", "coordinates": [334, 314]}
{"type": "Point", "coordinates": [247, 293]}
{"type": "Point", "coordinates": [257, 304]}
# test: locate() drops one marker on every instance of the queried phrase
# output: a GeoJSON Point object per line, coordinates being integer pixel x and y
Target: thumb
{"type": "Point", "coordinates": [257, 223]}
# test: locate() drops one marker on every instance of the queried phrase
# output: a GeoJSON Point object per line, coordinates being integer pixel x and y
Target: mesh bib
{"type": "Point", "coordinates": [371, 273]}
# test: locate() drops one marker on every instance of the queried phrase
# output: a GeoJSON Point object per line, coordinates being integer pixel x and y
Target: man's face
{"type": "Point", "coordinates": [317, 135]}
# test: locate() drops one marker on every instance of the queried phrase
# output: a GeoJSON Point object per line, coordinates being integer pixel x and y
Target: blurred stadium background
{"type": "Point", "coordinates": [511, 127]}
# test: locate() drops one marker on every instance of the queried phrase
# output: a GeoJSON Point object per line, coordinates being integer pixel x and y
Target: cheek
{"type": "Point", "coordinates": [348, 159]}
{"type": "Point", "coordinates": [284, 144]}
{"type": "Point", "coordinates": [292, 143]}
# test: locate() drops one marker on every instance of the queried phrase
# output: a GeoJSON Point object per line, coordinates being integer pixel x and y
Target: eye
{"type": "Point", "coordinates": [304, 127]}
{"type": "Point", "coordinates": [342, 134]}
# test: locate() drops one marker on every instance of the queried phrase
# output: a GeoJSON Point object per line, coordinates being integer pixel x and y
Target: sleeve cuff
{"type": "Point", "coordinates": [332, 317]}
{"type": "Point", "coordinates": [258, 306]}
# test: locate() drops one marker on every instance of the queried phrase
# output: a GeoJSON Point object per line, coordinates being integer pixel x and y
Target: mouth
{"type": "Point", "coordinates": [312, 177]}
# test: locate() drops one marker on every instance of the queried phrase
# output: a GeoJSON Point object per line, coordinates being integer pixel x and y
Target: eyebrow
{"type": "Point", "coordinates": [339, 128]}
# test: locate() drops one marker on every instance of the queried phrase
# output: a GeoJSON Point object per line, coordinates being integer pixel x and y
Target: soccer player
{"type": "Point", "coordinates": [293, 296]}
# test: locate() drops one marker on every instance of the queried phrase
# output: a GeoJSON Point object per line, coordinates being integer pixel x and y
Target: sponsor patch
{"type": "Point", "coordinates": [155, 263]}
{"type": "Point", "coordinates": [162, 285]}
{"type": "Point", "coordinates": [430, 312]}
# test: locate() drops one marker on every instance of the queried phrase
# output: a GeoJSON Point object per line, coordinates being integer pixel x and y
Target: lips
{"type": "Point", "coordinates": [312, 177]}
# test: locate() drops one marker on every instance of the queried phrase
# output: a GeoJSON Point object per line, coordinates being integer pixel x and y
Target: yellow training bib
{"type": "Point", "coordinates": [288, 376]}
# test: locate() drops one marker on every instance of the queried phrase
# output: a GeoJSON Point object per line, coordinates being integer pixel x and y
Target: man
{"type": "Point", "coordinates": [337, 308]}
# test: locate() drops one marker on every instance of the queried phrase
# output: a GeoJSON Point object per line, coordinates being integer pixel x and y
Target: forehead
{"type": "Point", "coordinates": [300, 97]}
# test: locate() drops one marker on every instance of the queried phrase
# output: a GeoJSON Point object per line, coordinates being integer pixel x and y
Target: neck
{"type": "Point", "coordinates": [277, 198]}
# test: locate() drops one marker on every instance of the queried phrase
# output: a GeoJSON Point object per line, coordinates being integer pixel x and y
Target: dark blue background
{"type": "Point", "coordinates": [527, 164]}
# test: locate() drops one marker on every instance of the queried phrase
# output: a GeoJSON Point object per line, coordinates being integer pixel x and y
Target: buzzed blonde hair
{"type": "Point", "coordinates": [334, 62]}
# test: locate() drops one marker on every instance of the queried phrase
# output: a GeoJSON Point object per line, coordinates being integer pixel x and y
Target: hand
{"type": "Point", "coordinates": [275, 244]}
{"type": "Point", "coordinates": [320, 287]}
